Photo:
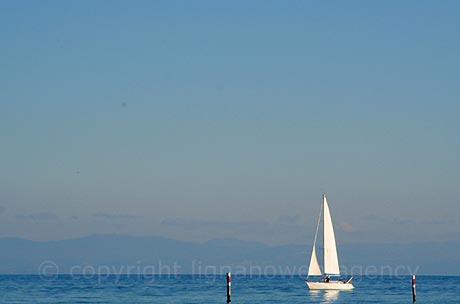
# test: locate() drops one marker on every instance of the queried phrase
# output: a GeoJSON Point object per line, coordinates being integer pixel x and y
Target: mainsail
{"type": "Point", "coordinates": [331, 261]}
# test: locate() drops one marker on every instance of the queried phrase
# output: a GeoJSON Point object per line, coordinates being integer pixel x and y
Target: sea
{"type": "Point", "coordinates": [201, 289]}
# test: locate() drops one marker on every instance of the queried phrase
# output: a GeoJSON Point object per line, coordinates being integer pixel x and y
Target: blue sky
{"type": "Point", "coordinates": [206, 119]}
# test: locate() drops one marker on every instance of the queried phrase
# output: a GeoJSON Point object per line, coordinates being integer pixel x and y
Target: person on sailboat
{"type": "Point", "coordinates": [326, 279]}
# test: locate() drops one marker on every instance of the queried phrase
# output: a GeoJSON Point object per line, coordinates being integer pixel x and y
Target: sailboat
{"type": "Point", "coordinates": [331, 260]}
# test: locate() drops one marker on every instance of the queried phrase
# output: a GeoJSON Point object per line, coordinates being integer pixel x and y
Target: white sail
{"type": "Point", "coordinates": [314, 266]}
{"type": "Point", "coordinates": [331, 261]}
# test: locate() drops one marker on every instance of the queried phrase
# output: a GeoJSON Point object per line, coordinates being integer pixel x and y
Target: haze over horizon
{"type": "Point", "coordinates": [230, 119]}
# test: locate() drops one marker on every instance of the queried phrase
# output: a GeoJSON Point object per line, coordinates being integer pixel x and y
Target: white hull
{"type": "Point", "coordinates": [334, 285]}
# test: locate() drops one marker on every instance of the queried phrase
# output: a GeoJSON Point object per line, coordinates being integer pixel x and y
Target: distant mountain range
{"type": "Point", "coordinates": [134, 254]}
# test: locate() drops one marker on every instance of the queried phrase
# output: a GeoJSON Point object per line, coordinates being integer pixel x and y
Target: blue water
{"type": "Point", "coordinates": [212, 289]}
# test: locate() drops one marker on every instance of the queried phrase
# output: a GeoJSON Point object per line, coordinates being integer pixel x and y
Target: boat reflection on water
{"type": "Point", "coordinates": [327, 296]}
{"type": "Point", "coordinates": [331, 295]}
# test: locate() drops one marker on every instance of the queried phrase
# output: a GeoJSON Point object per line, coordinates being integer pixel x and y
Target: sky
{"type": "Point", "coordinates": [215, 119]}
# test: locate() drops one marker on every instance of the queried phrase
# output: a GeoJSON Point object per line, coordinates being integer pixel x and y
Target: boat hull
{"type": "Point", "coordinates": [332, 285]}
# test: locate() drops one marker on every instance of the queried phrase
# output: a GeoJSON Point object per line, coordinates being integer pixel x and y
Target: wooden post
{"type": "Point", "coordinates": [414, 293]}
{"type": "Point", "coordinates": [229, 286]}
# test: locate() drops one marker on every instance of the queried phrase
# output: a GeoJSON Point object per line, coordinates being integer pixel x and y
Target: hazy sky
{"type": "Point", "coordinates": [201, 119]}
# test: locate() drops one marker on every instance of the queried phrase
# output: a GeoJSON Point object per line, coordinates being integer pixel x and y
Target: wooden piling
{"type": "Point", "coordinates": [414, 292]}
{"type": "Point", "coordinates": [229, 287]}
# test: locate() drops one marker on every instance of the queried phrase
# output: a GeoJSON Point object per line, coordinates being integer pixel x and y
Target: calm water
{"type": "Point", "coordinates": [194, 289]}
